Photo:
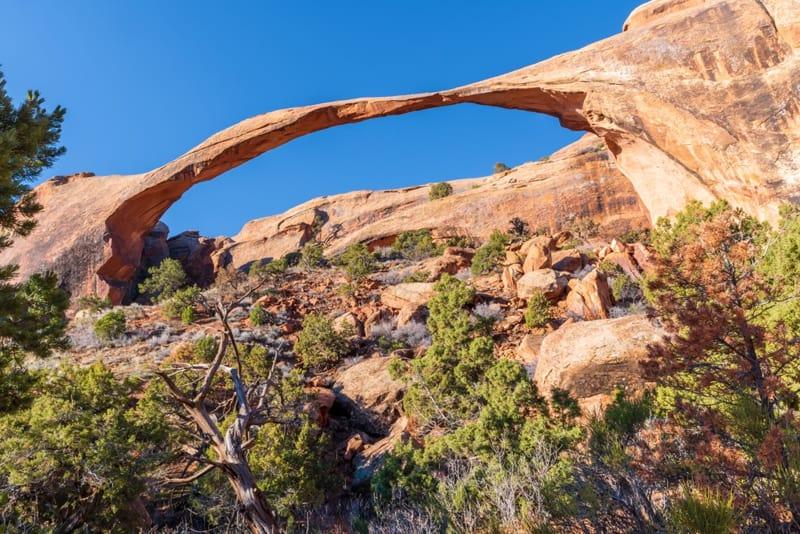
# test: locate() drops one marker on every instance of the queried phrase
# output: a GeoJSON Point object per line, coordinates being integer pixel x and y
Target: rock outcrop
{"type": "Point", "coordinates": [592, 358]}
{"type": "Point", "coordinates": [694, 99]}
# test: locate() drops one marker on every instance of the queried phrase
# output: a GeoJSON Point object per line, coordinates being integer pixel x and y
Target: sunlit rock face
{"type": "Point", "coordinates": [695, 99]}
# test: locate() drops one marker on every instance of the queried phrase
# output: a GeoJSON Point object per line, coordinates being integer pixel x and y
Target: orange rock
{"type": "Point", "coordinates": [626, 263]}
{"type": "Point", "coordinates": [545, 280]}
{"type": "Point", "coordinates": [590, 359]}
{"type": "Point", "coordinates": [591, 298]}
{"type": "Point", "coordinates": [538, 254]}
{"type": "Point", "coordinates": [696, 99]}
{"type": "Point", "coordinates": [567, 260]}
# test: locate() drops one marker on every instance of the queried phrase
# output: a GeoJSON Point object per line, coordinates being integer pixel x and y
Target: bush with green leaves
{"type": "Point", "coordinates": [538, 312]}
{"type": "Point", "coordinates": [501, 167]}
{"type": "Point", "coordinates": [292, 465]}
{"type": "Point", "coordinates": [180, 305]}
{"type": "Point", "coordinates": [78, 454]}
{"type": "Point", "coordinates": [110, 326]}
{"type": "Point", "coordinates": [319, 344]}
{"type": "Point", "coordinates": [164, 280]}
{"type": "Point", "coordinates": [518, 229]}
{"type": "Point", "coordinates": [489, 256]}
{"type": "Point", "coordinates": [205, 348]}
{"type": "Point", "coordinates": [625, 290]}
{"type": "Point", "coordinates": [440, 190]}
{"type": "Point", "coordinates": [703, 510]}
{"type": "Point", "coordinates": [485, 417]}
{"type": "Point", "coordinates": [312, 255]}
{"type": "Point", "coordinates": [417, 276]}
{"type": "Point", "coordinates": [416, 245]}
{"type": "Point", "coordinates": [93, 303]}
{"type": "Point", "coordinates": [357, 261]}
{"type": "Point", "coordinates": [258, 315]}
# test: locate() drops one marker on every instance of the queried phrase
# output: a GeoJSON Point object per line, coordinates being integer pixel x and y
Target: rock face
{"type": "Point", "coordinates": [370, 394]}
{"type": "Point", "coordinates": [694, 99]}
{"type": "Point", "coordinates": [592, 358]}
{"type": "Point", "coordinates": [591, 297]}
{"type": "Point", "coordinates": [547, 281]}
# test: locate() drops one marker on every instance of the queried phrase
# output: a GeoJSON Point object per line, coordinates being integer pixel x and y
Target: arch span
{"type": "Point", "coordinates": [696, 99]}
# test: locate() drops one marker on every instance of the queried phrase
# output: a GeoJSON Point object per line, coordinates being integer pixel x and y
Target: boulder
{"type": "Point", "coordinates": [451, 262]}
{"type": "Point", "coordinates": [538, 255]}
{"type": "Point", "coordinates": [569, 260]}
{"type": "Point", "coordinates": [644, 258]}
{"type": "Point", "coordinates": [510, 275]}
{"type": "Point", "coordinates": [369, 394]}
{"type": "Point", "coordinates": [414, 294]}
{"type": "Point", "coordinates": [590, 359]}
{"type": "Point", "coordinates": [625, 262]}
{"type": "Point", "coordinates": [367, 462]}
{"type": "Point", "coordinates": [320, 402]}
{"type": "Point", "coordinates": [547, 281]}
{"type": "Point", "coordinates": [195, 253]}
{"type": "Point", "coordinates": [528, 348]}
{"type": "Point", "coordinates": [590, 299]}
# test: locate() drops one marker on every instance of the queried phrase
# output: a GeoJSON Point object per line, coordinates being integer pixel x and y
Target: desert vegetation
{"type": "Point", "coordinates": [415, 382]}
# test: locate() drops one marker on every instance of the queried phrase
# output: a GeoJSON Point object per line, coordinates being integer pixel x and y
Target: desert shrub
{"type": "Point", "coordinates": [490, 254]}
{"type": "Point", "coordinates": [188, 315]}
{"type": "Point", "coordinates": [625, 289]}
{"type": "Point", "coordinates": [635, 236]}
{"type": "Point", "coordinates": [93, 303]}
{"type": "Point", "coordinates": [357, 261]}
{"type": "Point", "coordinates": [416, 245]}
{"type": "Point", "coordinates": [311, 255]}
{"type": "Point", "coordinates": [258, 315]}
{"type": "Point", "coordinates": [501, 167]}
{"type": "Point", "coordinates": [584, 228]}
{"type": "Point", "coordinates": [346, 290]}
{"type": "Point", "coordinates": [483, 420]}
{"type": "Point", "coordinates": [486, 315]}
{"type": "Point", "coordinates": [704, 511]}
{"type": "Point", "coordinates": [205, 348]}
{"type": "Point", "coordinates": [274, 267]}
{"type": "Point", "coordinates": [440, 190]}
{"type": "Point", "coordinates": [461, 241]}
{"type": "Point", "coordinates": [110, 326]}
{"type": "Point", "coordinates": [609, 268]}
{"type": "Point", "coordinates": [78, 453]}
{"type": "Point", "coordinates": [164, 280]}
{"type": "Point", "coordinates": [610, 434]}
{"type": "Point", "coordinates": [291, 464]}
{"type": "Point", "coordinates": [417, 276]}
{"type": "Point", "coordinates": [181, 300]}
{"type": "Point", "coordinates": [319, 344]}
{"type": "Point", "coordinates": [538, 312]}
{"type": "Point", "coordinates": [518, 229]}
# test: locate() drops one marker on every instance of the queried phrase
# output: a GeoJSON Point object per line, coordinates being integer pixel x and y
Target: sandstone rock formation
{"type": "Point", "coordinates": [590, 299]}
{"type": "Point", "coordinates": [370, 395]}
{"type": "Point", "coordinates": [694, 99]}
{"type": "Point", "coordinates": [592, 358]}
{"type": "Point", "coordinates": [547, 281]}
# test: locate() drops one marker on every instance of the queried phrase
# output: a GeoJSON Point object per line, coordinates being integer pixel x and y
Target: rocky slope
{"type": "Point", "coordinates": [694, 99]}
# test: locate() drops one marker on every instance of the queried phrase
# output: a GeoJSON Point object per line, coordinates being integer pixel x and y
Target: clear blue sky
{"type": "Point", "coordinates": [145, 80]}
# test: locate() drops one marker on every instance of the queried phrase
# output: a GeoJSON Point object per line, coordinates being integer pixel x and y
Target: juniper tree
{"type": "Point", "coordinates": [32, 312]}
{"type": "Point", "coordinates": [729, 363]}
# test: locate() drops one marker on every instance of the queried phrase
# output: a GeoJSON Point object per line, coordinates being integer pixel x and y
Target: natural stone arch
{"type": "Point", "coordinates": [684, 115]}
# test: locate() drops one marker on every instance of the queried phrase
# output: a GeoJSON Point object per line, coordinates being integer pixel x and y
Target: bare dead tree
{"type": "Point", "coordinates": [250, 405]}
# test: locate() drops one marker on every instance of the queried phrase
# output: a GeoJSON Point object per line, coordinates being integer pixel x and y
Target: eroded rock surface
{"type": "Point", "coordinates": [590, 359]}
{"type": "Point", "coordinates": [696, 99]}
